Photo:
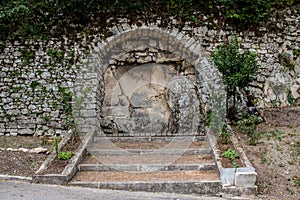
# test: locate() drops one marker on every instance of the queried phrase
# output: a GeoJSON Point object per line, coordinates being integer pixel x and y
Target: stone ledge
{"type": "Point", "coordinates": [70, 170]}
{"type": "Point", "coordinates": [235, 181]}
{"type": "Point", "coordinates": [183, 187]}
{"type": "Point", "coordinates": [15, 178]}
{"type": "Point", "coordinates": [144, 167]}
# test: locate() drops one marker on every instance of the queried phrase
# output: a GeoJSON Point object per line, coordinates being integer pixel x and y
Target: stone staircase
{"type": "Point", "coordinates": [162, 164]}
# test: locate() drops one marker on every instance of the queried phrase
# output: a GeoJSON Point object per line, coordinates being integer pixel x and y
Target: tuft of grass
{"type": "Point", "coordinates": [297, 182]}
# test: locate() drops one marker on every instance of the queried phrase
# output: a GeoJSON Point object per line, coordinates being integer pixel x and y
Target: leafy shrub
{"type": "Point", "coordinates": [237, 68]}
{"type": "Point", "coordinates": [65, 155]}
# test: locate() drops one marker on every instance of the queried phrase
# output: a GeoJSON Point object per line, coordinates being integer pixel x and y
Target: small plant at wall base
{"type": "Point", "coordinates": [66, 99]}
{"type": "Point", "coordinates": [224, 134]}
{"type": "Point", "coordinates": [290, 97]}
{"type": "Point", "coordinates": [65, 155]}
{"type": "Point", "coordinates": [238, 69]}
{"type": "Point", "coordinates": [55, 144]}
{"type": "Point", "coordinates": [232, 155]}
{"type": "Point", "coordinates": [249, 126]}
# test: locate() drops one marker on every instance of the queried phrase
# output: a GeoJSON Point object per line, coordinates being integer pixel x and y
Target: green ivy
{"type": "Point", "coordinates": [27, 55]}
{"type": "Point", "coordinates": [34, 84]}
{"type": "Point", "coordinates": [45, 19]}
{"type": "Point", "coordinates": [56, 54]}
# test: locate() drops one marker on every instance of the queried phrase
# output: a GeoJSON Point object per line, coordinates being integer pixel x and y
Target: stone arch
{"type": "Point", "coordinates": [207, 78]}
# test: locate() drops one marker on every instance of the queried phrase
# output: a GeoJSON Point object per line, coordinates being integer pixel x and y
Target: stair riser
{"type": "Point", "coordinates": [144, 168]}
{"type": "Point", "coordinates": [148, 139]}
{"type": "Point", "coordinates": [109, 152]}
{"type": "Point", "coordinates": [202, 188]}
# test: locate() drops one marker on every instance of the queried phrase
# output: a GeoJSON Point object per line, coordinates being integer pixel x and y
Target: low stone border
{"type": "Point", "coordinates": [211, 188]}
{"type": "Point", "coordinates": [15, 178]}
{"type": "Point", "coordinates": [235, 181]}
{"type": "Point", "coordinates": [70, 170]}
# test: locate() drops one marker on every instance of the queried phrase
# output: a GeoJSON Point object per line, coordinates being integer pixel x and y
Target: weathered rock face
{"type": "Point", "coordinates": [150, 99]}
{"type": "Point", "coordinates": [185, 105]}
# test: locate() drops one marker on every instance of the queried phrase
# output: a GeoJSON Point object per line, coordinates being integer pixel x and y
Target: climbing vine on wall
{"type": "Point", "coordinates": [46, 19]}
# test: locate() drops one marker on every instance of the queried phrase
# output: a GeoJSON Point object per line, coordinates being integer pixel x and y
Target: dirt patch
{"type": "Point", "coordinates": [58, 166]}
{"type": "Point", "coordinates": [20, 163]}
{"type": "Point", "coordinates": [226, 162]}
{"type": "Point", "coordinates": [277, 155]}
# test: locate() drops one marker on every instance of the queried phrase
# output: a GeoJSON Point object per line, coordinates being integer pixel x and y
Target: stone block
{"type": "Point", "coordinates": [123, 124]}
{"type": "Point", "coordinates": [119, 110]}
{"type": "Point", "coordinates": [91, 121]}
{"type": "Point", "coordinates": [13, 133]}
{"type": "Point", "coordinates": [88, 113]}
{"type": "Point", "coordinates": [245, 179]}
{"type": "Point", "coordinates": [245, 169]}
{"type": "Point", "coordinates": [140, 100]}
{"type": "Point", "coordinates": [227, 176]}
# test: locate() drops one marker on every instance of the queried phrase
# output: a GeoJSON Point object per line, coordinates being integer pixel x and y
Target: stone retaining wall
{"type": "Point", "coordinates": [36, 77]}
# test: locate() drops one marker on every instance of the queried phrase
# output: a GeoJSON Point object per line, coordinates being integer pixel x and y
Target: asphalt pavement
{"type": "Point", "coordinates": [13, 190]}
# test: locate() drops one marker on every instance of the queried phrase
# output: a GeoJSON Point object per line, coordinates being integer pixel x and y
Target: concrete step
{"type": "Point", "coordinates": [176, 165]}
{"type": "Point", "coordinates": [116, 152]}
{"type": "Point", "coordinates": [144, 167]}
{"type": "Point", "coordinates": [145, 144]}
{"type": "Point", "coordinates": [198, 182]}
{"type": "Point", "coordinates": [163, 159]}
{"type": "Point", "coordinates": [148, 139]}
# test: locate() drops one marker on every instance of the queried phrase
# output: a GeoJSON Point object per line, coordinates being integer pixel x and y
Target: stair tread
{"type": "Point", "coordinates": [159, 176]}
{"type": "Point", "coordinates": [107, 144]}
{"type": "Point", "coordinates": [147, 159]}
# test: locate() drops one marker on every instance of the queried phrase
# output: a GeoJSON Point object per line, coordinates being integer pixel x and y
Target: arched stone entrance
{"type": "Point", "coordinates": [147, 82]}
